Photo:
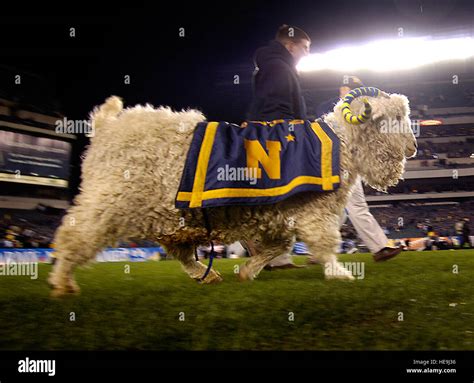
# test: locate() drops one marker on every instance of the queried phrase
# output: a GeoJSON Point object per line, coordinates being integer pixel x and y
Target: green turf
{"type": "Point", "coordinates": [141, 310]}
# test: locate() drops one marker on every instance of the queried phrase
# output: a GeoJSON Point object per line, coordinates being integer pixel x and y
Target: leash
{"type": "Point", "coordinates": [212, 254]}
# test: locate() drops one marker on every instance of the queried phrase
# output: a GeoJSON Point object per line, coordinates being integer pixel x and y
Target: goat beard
{"type": "Point", "coordinates": [381, 180]}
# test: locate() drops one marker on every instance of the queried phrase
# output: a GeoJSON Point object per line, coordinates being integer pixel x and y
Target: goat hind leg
{"type": "Point", "coordinates": [77, 242]}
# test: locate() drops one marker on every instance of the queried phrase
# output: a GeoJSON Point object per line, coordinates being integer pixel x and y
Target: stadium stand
{"type": "Point", "coordinates": [28, 228]}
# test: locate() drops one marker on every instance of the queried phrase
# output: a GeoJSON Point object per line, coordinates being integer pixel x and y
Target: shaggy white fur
{"type": "Point", "coordinates": [132, 170]}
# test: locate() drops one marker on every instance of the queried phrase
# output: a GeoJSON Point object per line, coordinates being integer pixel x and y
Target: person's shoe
{"type": "Point", "coordinates": [285, 266]}
{"type": "Point", "coordinates": [386, 253]}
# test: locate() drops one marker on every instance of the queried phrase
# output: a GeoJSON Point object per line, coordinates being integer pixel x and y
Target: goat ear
{"type": "Point", "coordinates": [377, 116]}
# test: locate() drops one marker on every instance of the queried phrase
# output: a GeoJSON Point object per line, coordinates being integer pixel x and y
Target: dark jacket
{"type": "Point", "coordinates": [276, 88]}
{"type": "Point", "coordinates": [327, 106]}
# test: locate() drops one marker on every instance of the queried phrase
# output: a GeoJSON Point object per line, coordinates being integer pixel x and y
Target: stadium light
{"type": "Point", "coordinates": [389, 55]}
{"type": "Point", "coordinates": [430, 122]}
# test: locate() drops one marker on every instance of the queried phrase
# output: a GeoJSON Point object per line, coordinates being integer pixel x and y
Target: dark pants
{"type": "Point", "coordinates": [465, 239]}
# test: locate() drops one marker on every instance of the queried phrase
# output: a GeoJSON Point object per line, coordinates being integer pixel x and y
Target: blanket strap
{"type": "Point", "coordinates": [212, 254]}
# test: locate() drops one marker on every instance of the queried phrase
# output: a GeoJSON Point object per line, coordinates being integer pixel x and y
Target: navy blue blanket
{"type": "Point", "coordinates": [258, 163]}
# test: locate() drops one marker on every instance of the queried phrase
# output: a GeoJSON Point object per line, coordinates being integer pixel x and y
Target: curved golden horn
{"type": "Point", "coordinates": [350, 117]}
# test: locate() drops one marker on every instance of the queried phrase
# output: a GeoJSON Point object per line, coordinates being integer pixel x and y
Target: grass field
{"type": "Point", "coordinates": [141, 310]}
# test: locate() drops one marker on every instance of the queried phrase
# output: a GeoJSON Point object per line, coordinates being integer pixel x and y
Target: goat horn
{"type": "Point", "coordinates": [351, 96]}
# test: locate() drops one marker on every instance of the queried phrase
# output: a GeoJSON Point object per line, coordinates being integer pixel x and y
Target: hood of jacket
{"type": "Point", "coordinates": [273, 51]}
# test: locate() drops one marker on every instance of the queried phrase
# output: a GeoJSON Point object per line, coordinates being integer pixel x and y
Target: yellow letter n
{"type": "Point", "coordinates": [270, 162]}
